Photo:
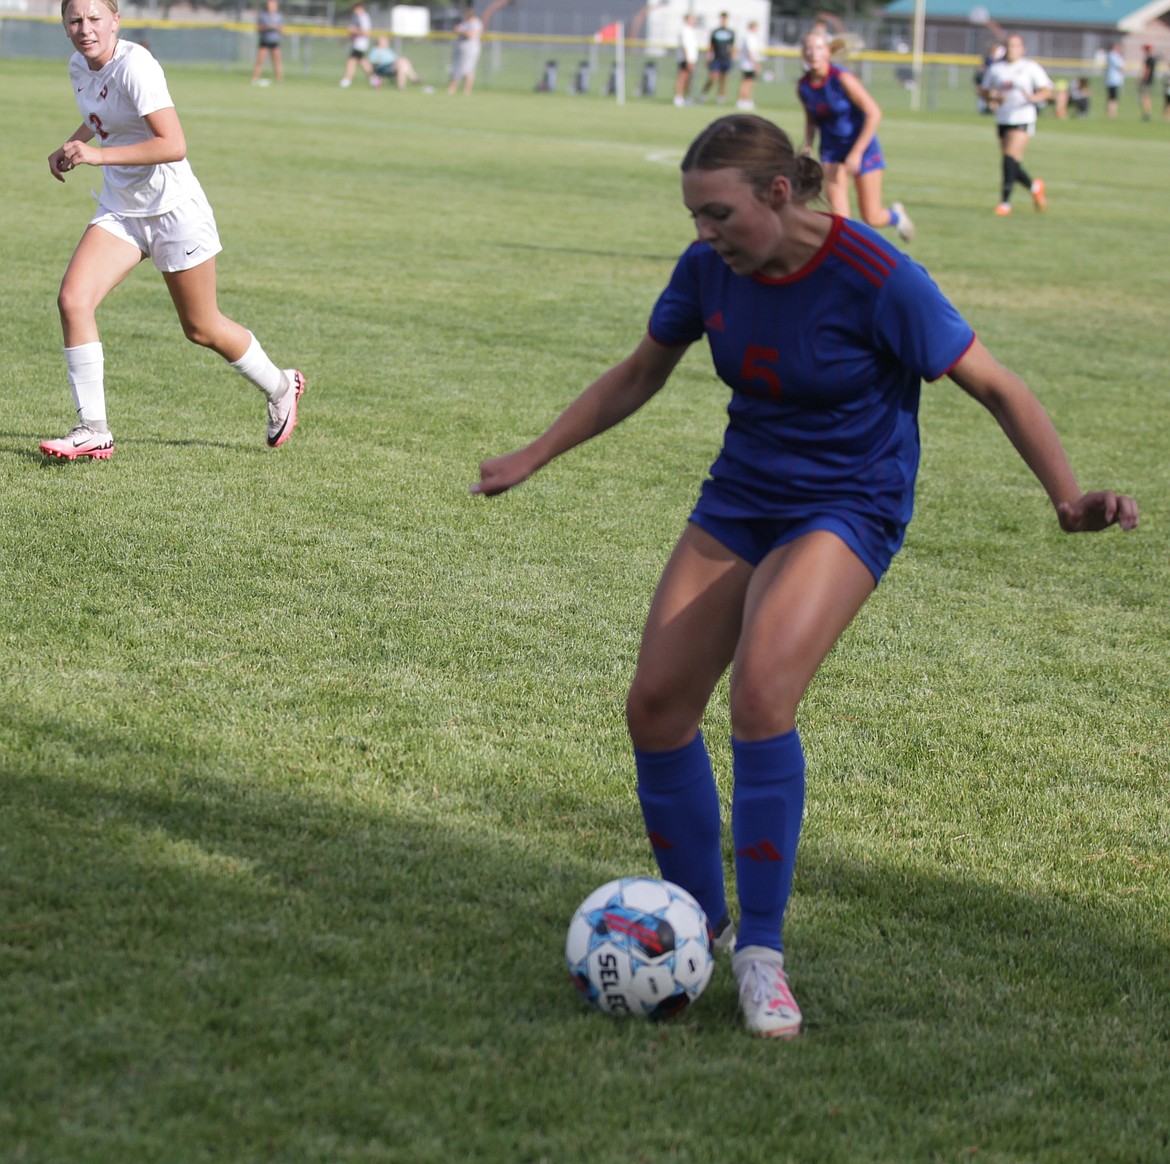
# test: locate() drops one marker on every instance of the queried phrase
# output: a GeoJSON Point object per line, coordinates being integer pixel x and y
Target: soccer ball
{"type": "Point", "coordinates": [640, 946]}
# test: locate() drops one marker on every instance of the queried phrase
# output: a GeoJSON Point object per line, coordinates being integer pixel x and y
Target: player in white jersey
{"type": "Point", "coordinates": [465, 56]}
{"type": "Point", "coordinates": [1012, 87]}
{"type": "Point", "coordinates": [151, 205]}
{"type": "Point", "coordinates": [750, 55]}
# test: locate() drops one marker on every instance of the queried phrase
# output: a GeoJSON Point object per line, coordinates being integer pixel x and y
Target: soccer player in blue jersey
{"type": "Point", "coordinates": [824, 333]}
{"type": "Point", "coordinates": [838, 107]}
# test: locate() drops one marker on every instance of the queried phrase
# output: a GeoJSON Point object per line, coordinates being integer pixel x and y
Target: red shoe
{"type": "Point", "coordinates": [1003, 209]}
{"type": "Point", "coordinates": [1038, 195]}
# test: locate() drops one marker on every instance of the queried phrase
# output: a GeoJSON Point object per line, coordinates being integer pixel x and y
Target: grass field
{"type": "Point", "coordinates": [307, 756]}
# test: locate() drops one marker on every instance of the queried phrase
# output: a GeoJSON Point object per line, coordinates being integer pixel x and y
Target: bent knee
{"type": "Point", "coordinates": [758, 713]}
{"type": "Point", "coordinates": [74, 302]}
{"type": "Point", "coordinates": [659, 718]}
{"type": "Point", "coordinates": [199, 333]}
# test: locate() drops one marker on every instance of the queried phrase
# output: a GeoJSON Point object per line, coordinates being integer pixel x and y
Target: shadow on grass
{"type": "Point", "coordinates": [257, 967]}
{"type": "Point", "coordinates": [32, 453]}
{"type": "Point", "coordinates": [590, 251]}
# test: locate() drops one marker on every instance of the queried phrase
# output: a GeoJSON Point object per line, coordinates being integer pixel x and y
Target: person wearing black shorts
{"type": "Point", "coordinates": [269, 31]}
{"type": "Point", "coordinates": [719, 58]}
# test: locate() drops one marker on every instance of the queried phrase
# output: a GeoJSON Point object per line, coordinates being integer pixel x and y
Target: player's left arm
{"type": "Point", "coordinates": [165, 144]}
{"type": "Point", "coordinates": [859, 95]}
{"type": "Point", "coordinates": [810, 127]}
{"type": "Point", "coordinates": [1042, 86]}
{"type": "Point", "coordinates": [1027, 425]}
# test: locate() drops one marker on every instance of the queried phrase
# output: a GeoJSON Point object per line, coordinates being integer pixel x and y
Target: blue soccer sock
{"type": "Point", "coordinates": [766, 808]}
{"type": "Point", "coordinates": [680, 806]}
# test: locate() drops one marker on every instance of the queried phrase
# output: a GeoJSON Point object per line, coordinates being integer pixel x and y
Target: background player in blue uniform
{"type": "Point", "coordinates": [838, 107]}
{"type": "Point", "coordinates": [824, 333]}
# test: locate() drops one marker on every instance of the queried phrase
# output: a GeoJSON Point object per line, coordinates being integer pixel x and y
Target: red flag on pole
{"type": "Point", "coordinates": [609, 34]}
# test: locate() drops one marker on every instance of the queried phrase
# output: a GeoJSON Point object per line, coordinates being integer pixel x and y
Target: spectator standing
{"type": "Point", "coordinates": [688, 59]}
{"type": "Point", "coordinates": [750, 56]}
{"type": "Point", "coordinates": [1146, 83]}
{"type": "Point", "coordinates": [1114, 79]}
{"type": "Point", "coordinates": [465, 56]}
{"type": "Point", "coordinates": [719, 54]}
{"type": "Point", "coordinates": [269, 33]}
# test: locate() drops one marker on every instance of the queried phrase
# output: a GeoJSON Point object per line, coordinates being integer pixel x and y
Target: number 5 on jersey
{"type": "Point", "coordinates": [755, 368]}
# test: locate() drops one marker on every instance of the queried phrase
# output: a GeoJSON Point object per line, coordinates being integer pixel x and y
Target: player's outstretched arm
{"type": "Point", "coordinates": [612, 397]}
{"type": "Point", "coordinates": [1028, 426]}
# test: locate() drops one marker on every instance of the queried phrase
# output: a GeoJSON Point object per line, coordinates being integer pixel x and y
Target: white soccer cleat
{"type": "Point", "coordinates": [905, 227]}
{"type": "Point", "coordinates": [764, 996]}
{"type": "Point", "coordinates": [282, 412]}
{"type": "Point", "coordinates": [82, 441]}
{"type": "Point", "coordinates": [723, 936]}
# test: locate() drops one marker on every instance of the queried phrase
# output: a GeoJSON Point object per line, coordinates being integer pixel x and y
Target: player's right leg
{"type": "Point", "coordinates": [100, 262]}
{"type": "Point", "coordinates": [689, 640]}
{"type": "Point", "coordinates": [687, 643]}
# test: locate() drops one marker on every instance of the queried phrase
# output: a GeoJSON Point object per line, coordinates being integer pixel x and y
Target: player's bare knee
{"type": "Point", "coordinates": [198, 333]}
{"type": "Point", "coordinates": [74, 304]}
{"type": "Point", "coordinates": [760, 712]}
{"type": "Point", "coordinates": [658, 720]}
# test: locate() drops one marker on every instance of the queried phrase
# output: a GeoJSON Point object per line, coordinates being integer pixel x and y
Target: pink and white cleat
{"type": "Point", "coordinates": [282, 412]}
{"type": "Point", "coordinates": [764, 995]}
{"type": "Point", "coordinates": [82, 441]}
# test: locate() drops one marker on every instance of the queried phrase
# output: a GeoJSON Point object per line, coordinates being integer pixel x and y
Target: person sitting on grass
{"type": "Point", "coordinates": [391, 66]}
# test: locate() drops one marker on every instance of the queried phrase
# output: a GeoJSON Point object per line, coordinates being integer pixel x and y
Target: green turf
{"type": "Point", "coordinates": [307, 756]}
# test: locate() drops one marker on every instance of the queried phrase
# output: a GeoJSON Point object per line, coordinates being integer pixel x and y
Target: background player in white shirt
{"type": "Point", "coordinates": [360, 27]}
{"type": "Point", "coordinates": [151, 205]}
{"type": "Point", "coordinates": [1011, 87]}
{"type": "Point", "coordinates": [688, 58]}
{"type": "Point", "coordinates": [465, 55]}
{"type": "Point", "coordinates": [750, 55]}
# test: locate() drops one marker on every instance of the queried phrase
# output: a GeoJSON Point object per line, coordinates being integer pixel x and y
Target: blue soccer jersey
{"type": "Point", "coordinates": [836, 117]}
{"type": "Point", "coordinates": [825, 368]}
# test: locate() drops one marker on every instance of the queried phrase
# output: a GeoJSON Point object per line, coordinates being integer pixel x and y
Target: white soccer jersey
{"type": "Point", "coordinates": [1016, 81]}
{"type": "Point", "coordinates": [114, 102]}
{"type": "Point", "coordinates": [749, 50]}
{"type": "Point", "coordinates": [359, 32]}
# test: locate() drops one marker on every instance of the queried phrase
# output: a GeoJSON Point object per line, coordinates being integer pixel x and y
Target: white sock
{"type": "Point", "coordinates": [85, 366]}
{"type": "Point", "coordinates": [255, 365]}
